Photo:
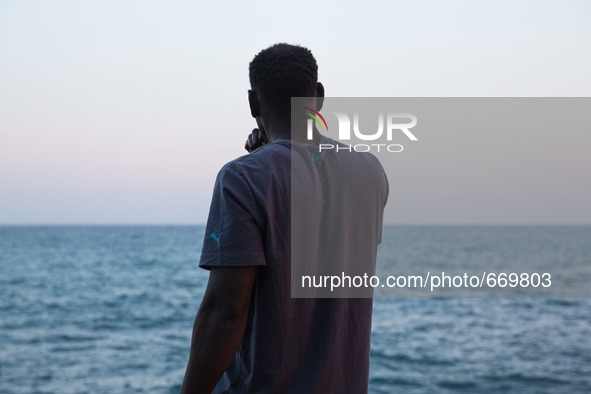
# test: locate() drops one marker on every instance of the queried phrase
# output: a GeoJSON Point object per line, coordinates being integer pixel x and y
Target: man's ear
{"type": "Point", "coordinates": [253, 101]}
{"type": "Point", "coordinates": [319, 96]}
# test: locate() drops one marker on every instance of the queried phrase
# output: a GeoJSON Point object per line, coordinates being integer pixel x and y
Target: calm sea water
{"type": "Point", "coordinates": [110, 310]}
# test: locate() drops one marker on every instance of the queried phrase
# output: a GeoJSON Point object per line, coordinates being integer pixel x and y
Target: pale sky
{"type": "Point", "coordinates": [124, 111]}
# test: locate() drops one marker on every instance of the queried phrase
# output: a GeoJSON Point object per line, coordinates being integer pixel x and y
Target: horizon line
{"type": "Point", "coordinates": [204, 224]}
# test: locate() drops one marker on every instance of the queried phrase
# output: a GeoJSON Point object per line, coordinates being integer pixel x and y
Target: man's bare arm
{"type": "Point", "coordinates": [219, 327]}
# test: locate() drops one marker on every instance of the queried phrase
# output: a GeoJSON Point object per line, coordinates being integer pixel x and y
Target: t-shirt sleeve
{"type": "Point", "coordinates": [386, 191]}
{"type": "Point", "coordinates": [234, 234]}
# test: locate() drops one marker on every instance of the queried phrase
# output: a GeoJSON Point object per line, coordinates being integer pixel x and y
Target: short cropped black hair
{"type": "Point", "coordinates": [283, 71]}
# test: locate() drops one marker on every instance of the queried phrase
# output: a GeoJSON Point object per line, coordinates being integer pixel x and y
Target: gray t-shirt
{"type": "Point", "coordinates": [295, 345]}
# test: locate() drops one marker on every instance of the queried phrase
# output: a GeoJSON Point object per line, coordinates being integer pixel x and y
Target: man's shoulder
{"type": "Point", "coordinates": [259, 161]}
{"type": "Point", "coordinates": [347, 152]}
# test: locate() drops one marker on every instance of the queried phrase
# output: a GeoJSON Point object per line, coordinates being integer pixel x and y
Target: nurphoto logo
{"type": "Point", "coordinates": [388, 125]}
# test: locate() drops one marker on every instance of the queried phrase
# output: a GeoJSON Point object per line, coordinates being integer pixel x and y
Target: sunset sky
{"type": "Point", "coordinates": [122, 112]}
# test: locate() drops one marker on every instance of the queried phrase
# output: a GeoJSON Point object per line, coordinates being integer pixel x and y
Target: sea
{"type": "Point", "coordinates": [110, 309]}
